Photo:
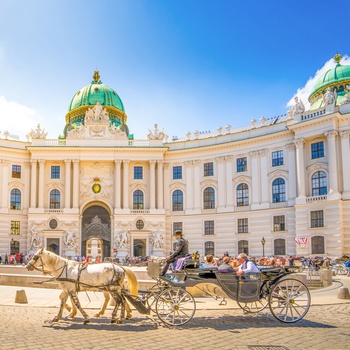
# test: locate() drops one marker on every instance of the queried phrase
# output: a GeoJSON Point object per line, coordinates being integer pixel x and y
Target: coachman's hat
{"type": "Point", "coordinates": [177, 233]}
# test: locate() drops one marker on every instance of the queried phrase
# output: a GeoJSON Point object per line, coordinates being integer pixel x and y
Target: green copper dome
{"type": "Point", "coordinates": [87, 97]}
{"type": "Point", "coordinates": [336, 79]}
{"type": "Point", "coordinates": [95, 92]}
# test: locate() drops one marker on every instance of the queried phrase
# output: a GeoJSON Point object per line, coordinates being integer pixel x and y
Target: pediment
{"type": "Point", "coordinates": [317, 166]}
{"type": "Point", "coordinates": [278, 173]}
{"type": "Point", "coordinates": [242, 178]}
{"type": "Point", "coordinates": [208, 183]}
{"type": "Point", "coordinates": [177, 185]}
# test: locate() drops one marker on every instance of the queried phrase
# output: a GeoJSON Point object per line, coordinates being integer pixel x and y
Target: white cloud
{"type": "Point", "coordinates": [304, 92]}
{"type": "Point", "coordinates": [16, 118]}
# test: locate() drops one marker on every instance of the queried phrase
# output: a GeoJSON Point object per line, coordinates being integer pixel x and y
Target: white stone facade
{"type": "Point", "coordinates": [285, 179]}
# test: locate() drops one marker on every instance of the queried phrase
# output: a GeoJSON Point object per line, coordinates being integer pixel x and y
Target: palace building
{"type": "Point", "coordinates": [279, 186]}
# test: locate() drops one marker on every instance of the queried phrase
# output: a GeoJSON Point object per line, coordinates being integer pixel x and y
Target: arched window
{"type": "Point", "coordinates": [178, 201]}
{"type": "Point", "coordinates": [15, 199]}
{"type": "Point", "coordinates": [243, 247]}
{"type": "Point", "coordinates": [319, 183]}
{"type": "Point", "coordinates": [278, 191]}
{"type": "Point", "coordinates": [209, 198]}
{"type": "Point", "coordinates": [138, 200]}
{"type": "Point", "coordinates": [242, 195]}
{"type": "Point", "coordinates": [317, 245]}
{"type": "Point", "coordinates": [55, 199]}
{"type": "Point", "coordinates": [209, 248]}
{"type": "Point", "coordinates": [279, 246]}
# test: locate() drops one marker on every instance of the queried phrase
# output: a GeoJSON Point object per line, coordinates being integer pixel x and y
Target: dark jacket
{"type": "Point", "coordinates": [181, 249]}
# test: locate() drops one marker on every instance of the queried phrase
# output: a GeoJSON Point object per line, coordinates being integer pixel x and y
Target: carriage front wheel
{"type": "Point", "coordinates": [289, 300]}
{"type": "Point", "coordinates": [175, 306]}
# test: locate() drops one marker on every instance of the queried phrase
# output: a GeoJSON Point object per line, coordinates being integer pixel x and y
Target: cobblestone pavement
{"type": "Point", "coordinates": [324, 327]}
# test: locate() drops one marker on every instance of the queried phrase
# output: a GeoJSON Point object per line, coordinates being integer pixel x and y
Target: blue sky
{"type": "Point", "coordinates": [184, 64]}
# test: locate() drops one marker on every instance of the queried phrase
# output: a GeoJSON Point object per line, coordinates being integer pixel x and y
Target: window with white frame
{"type": "Point", "coordinates": [279, 223]}
{"type": "Point", "coordinates": [317, 218]}
{"type": "Point", "coordinates": [209, 248]}
{"type": "Point", "coordinates": [242, 195]}
{"type": "Point", "coordinates": [209, 227]}
{"type": "Point", "coordinates": [243, 247]}
{"type": "Point", "coordinates": [277, 158]}
{"type": "Point", "coordinates": [242, 225]}
{"type": "Point", "coordinates": [209, 169]}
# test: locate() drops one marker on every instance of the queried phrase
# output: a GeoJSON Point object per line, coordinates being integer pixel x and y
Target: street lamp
{"type": "Point", "coordinates": [263, 244]}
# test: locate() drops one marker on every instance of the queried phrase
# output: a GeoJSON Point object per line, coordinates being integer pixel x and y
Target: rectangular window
{"type": "Point", "coordinates": [55, 172]}
{"type": "Point", "coordinates": [177, 172]}
{"type": "Point", "coordinates": [279, 223]}
{"type": "Point", "coordinates": [317, 219]}
{"type": "Point", "coordinates": [15, 228]}
{"type": "Point", "coordinates": [242, 225]}
{"type": "Point", "coordinates": [16, 171]}
{"type": "Point", "coordinates": [177, 226]}
{"type": "Point", "coordinates": [209, 227]}
{"type": "Point", "coordinates": [138, 172]}
{"type": "Point", "coordinates": [208, 169]}
{"type": "Point", "coordinates": [317, 150]}
{"type": "Point", "coordinates": [277, 158]}
{"type": "Point", "coordinates": [241, 164]}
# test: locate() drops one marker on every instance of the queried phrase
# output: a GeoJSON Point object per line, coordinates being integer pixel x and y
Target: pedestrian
{"type": "Point", "coordinates": [6, 259]}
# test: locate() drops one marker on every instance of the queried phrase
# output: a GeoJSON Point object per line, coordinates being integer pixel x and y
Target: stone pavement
{"type": "Point", "coordinates": [25, 326]}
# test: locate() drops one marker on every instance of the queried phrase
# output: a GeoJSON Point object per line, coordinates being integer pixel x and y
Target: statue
{"type": "Point", "coordinates": [347, 95]}
{"type": "Point", "coordinates": [156, 134]}
{"type": "Point", "coordinates": [157, 239]}
{"type": "Point", "coordinates": [34, 239]}
{"type": "Point", "coordinates": [96, 114]}
{"type": "Point", "coordinates": [121, 239]}
{"type": "Point", "coordinates": [38, 133]}
{"type": "Point", "coordinates": [329, 97]}
{"type": "Point", "coordinates": [70, 239]}
{"type": "Point", "coordinates": [298, 107]}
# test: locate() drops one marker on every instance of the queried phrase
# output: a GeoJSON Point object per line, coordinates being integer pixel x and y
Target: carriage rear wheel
{"type": "Point", "coordinates": [255, 306]}
{"type": "Point", "coordinates": [289, 300]}
{"type": "Point", "coordinates": [175, 306]}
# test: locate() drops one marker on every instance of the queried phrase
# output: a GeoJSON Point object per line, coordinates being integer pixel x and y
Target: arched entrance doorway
{"type": "Point", "coordinates": [96, 232]}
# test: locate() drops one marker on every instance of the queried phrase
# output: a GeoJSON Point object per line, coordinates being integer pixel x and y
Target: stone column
{"type": "Point", "coordinates": [67, 191]}
{"type": "Point", "coordinates": [189, 185]}
{"type": "Point", "coordinates": [1, 170]}
{"type": "Point", "coordinates": [229, 175]}
{"type": "Point", "coordinates": [221, 182]}
{"type": "Point", "coordinates": [26, 185]}
{"type": "Point", "coordinates": [117, 183]}
{"type": "Point", "coordinates": [197, 164]}
{"type": "Point", "coordinates": [332, 161]}
{"type": "Point", "coordinates": [291, 173]}
{"type": "Point", "coordinates": [126, 184]}
{"type": "Point", "coordinates": [255, 190]}
{"type": "Point", "coordinates": [345, 156]}
{"type": "Point", "coordinates": [160, 184]}
{"type": "Point", "coordinates": [76, 183]}
{"type": "Point", "coordinates": [263, 178]}
{"type": "Point", "coordinates": [152, 185]}
{"type": "Point", "coordinates": [5, 183]}
{"type": "Point", "coordinates": [41, 183]}
{"type": "Point", "coordinates": [33, 181]}
{"type": "Point", "coordinates": [167, 177]}
{"type": "Point", "coordinates": [300, 170]}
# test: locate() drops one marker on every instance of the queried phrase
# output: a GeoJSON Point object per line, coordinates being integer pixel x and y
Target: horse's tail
{"type": "Point", "coordinates": [133, 285]}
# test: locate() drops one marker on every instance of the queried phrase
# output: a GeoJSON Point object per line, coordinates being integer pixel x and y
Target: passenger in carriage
{"type": "Point", "coordinates": [225, 267]}
{"type": "Point", "coordinates": [181, 251]}
{"type": "Point", "coordinates": [210, 262]}
{"type": "Point", "coordinates": [245, 266]}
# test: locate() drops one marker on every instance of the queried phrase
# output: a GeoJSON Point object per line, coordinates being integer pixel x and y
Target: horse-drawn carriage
{"type": "Point", "coordinates": [288, 298]}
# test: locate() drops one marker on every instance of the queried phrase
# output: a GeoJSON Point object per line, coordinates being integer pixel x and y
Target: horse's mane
{"type": "Point", "coordinates": [54, 259]}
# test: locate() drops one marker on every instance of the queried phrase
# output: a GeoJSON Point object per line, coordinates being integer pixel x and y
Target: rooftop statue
{"type": "Point", "coordinates": [156, 134]}
{"type": "Point", "coordinates": [38, 133]}
{"type": "Point", "coordinates": [298, 107]}
{"type": "Point", "coordinates": [329, 97]}
{"type": "Point", "coordinates": [96, 114]}
{"type": "Point", "coordinates": [347, 94]}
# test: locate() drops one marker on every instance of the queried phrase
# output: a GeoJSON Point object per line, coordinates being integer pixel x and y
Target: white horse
{"type": "Point", "coordinates": [72, 276]}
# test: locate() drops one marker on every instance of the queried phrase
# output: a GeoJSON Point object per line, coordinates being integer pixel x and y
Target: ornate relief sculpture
{"type": "Point", "coordinates": [34, 238]}
{"type": "Point", "coordinates": [97, 114]}
{"type": "Point", "coordinates": [70, 239]}
{"type": "Point", "coordinates": [157, 239]}
{"type": "Point", "coordinates": [121, 239]}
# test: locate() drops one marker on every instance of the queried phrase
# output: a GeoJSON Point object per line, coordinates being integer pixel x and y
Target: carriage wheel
{"type": "Point", "coordinates": [255, 306]}
{"type": "Point", "coordinates": [289, 300]}
{"type": "Point", "coordinates": [175, 306]}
